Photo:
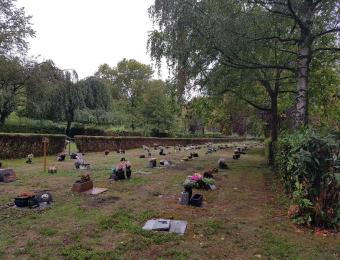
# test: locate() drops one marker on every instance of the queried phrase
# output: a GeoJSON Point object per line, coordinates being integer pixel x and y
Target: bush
{"type": "Point", "coordinates": [308, 164]}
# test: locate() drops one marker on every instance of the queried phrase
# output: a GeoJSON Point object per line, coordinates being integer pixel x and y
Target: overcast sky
{"type": "Point", "coordinates": [82, 34]}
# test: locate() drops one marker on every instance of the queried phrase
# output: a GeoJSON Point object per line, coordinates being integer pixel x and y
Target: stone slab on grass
{"type": "Point", "coordinates": [171, 226]}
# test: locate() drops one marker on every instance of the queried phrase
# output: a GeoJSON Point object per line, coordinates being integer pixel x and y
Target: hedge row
{"type": "Point", "coordinates": [14, 146]}
{"type": "Point", "coordinates": [309, 165]}
{"type": "Point", "coordinates": [101, 143]}
{"type": "Point", "coordinates": [52, 130]}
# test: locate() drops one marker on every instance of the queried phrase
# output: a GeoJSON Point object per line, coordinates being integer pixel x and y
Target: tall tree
{"type": "Point", "coordinates": [212, 42]}
{"type": "Point", "coordinates": [314, 29]}
{"type": "Point", "coordinates": [128, 80]}
{"type": "Point", "coordinates": [155, 108]}
{"type": "Point", "coordinates": [14, 74]}
{"type": "Point", "coordinates": [197, 36]}
{"type": "Point", "coordinates": [45, 78]}
{"type": "Point", "coordinates": [15, 28]}
{"type": "Point", "coordinates": [97, 101]}
{"type": "Point", "coordinates": [67, 99]}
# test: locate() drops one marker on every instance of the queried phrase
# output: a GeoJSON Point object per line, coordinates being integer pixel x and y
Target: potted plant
{"type": "Point", "coordinates": [84, 184]}
{"type": "Point", "coordinates": [188, 186]}
{"type": "Point", "coordinates": [207, 183]}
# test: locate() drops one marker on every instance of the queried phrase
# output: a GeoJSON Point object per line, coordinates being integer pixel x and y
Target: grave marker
{"type": "Point", "coordinates": [45, 141]}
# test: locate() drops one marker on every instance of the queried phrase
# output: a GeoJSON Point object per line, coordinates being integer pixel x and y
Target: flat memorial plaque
{"type": "Point", "coordinates": [178, 226]}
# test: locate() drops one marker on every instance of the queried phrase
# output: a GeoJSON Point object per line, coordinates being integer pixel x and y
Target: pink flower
{"type": "Point", "coordinates": [120, 166]}
{"type": "Point", "coordinates": [128, 164]}
{"type": "Point", "coordinates": [196, 177]}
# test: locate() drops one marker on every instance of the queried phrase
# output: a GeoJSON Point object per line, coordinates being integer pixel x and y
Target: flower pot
{"type": "Point", "coordinates": [128, 172]}
{"type": "Point", "coordinates": [23, 201]}
{"type": "Point", "coordinates": [79, 186]}
{"type": "Point", "coordinates": [121, 174]}
{"type": "Point", "coordinates": [196, 200]}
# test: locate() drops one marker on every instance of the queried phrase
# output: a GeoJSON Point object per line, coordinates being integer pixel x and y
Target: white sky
{"type": "Point", "coordinates": [82, 34]}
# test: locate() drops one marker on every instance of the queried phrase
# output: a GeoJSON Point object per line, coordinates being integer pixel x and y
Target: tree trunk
{"type": "Point", "coordinates": [305, 23]}
{"type": "Point", "coordinates": [2, 119]}
{"type": "Point", "coordinates": [274, 118]}
{"type": "Point", "coordinates": [301, 114]}
{"type": "Point", "coordinates": [274, 123]}
{"type": "Point", "coordinates": [68, 128]}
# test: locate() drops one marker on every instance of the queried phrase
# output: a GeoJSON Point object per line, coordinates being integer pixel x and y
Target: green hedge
{"type": "Point", "coordinates": [14, 146]}
{"type": "Point", "coordinates": [308, 164]}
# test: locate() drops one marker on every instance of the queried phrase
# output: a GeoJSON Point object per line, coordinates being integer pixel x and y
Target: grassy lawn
{"type": "Point", "coordinates": [245, 218]}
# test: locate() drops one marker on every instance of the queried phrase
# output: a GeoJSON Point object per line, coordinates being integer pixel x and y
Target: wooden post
{"type": "Point", "coordinates": [45, 142]}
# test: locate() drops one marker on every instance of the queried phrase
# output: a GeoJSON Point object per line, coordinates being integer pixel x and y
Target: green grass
{"type": "Point", "coordinates": [245, 217]}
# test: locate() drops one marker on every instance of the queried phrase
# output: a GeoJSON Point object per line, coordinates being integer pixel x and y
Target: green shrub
{"type": "Point", "coordinates": [307, 163]}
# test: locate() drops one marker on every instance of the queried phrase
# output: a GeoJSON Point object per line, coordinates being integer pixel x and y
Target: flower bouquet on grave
{"type": "Point", "coordinates": [189, 185]}
{"type": "Point", "coordinates": [85, 177]}
{"type": "Point", "coordinates": [208, 181]}
{"type": "Point", "coordinates": [196, 177]}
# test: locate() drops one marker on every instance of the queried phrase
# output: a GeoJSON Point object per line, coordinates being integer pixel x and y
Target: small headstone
{"type": "Point", "coordinates": [175, 226]}
{"type": "Point", "coordinates": [61, 157]}
{"type": "Point", "coordinates": [222, 164]}
{"type": "Point", "coordinates": [161, 225]}
{"type": "Point", "coordinates": [165, 163]}
{"type": "Point", "coordinates": [178, 227]}
{"type": "Point", "coordinates": [52, 169]}
{"type": "Point", "coordinates": [236, 156]}
{"type": "Point", "coordinates": [184, 198]}
{"type": "Point", "coordinates": [7, 175]}
{"type": "Point", "coordinates": [121, 151]}
{"type": "Point", "coordinates": [29, 158]}
{"type": "Point", "coordinates": [152, 163]}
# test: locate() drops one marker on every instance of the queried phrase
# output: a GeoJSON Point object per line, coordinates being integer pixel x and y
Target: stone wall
{"type": "Point", "coordinates": [14, 146]}
{"type": "Point", "coordinates": [102, 143]}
